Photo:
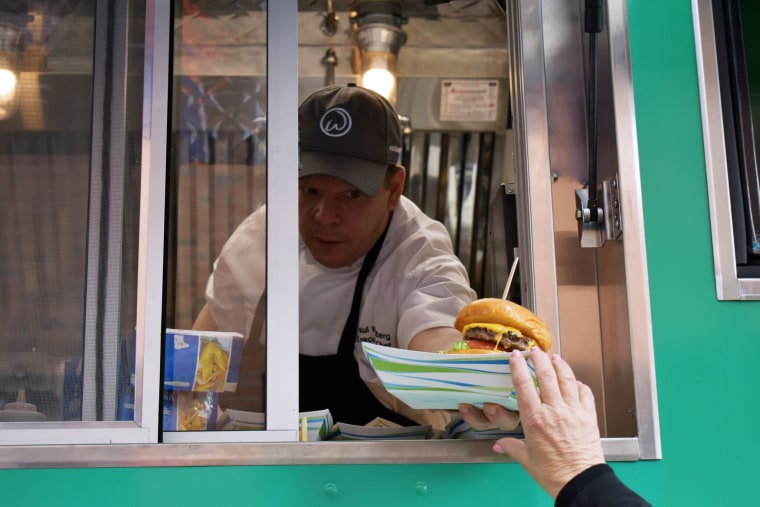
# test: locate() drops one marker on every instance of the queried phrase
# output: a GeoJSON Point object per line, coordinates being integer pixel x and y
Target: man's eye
{"type": "Point", "coordinates": [308, 190]}
{"type": "Point", "coordinates": [353, 194]}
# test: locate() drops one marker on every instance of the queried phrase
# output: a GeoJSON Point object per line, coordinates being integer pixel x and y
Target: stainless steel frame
{"type": "Point", "coordinates": [532, 167]}
{"type": "Point", "coordinates": [632, 214]}
{"type": "Point", "coordinates": [301, 453]}
{"type": "Point", "coordinates": [610, 347]}
{"type": "Point", "coordinates": [728, 285]}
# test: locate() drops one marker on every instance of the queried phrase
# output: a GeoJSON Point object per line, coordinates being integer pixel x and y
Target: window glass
{"type": "Point", "coordinates": [751, 47]}
{"type": "Point", "coordinates": [738, 75]}
{"type": "Point", "coordinates": [215, 360]}
{"type": "Point", "coordinates": [69, 203]}
{"type": "Point", "coordinates": [217, 189]}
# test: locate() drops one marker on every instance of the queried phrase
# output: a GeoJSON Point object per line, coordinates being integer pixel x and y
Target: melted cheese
{"type": "Point", "coordinates": [498, 329]}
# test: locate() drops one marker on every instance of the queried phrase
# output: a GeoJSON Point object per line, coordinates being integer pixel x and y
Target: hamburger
{"type": "Point", "coordinates": [498, 325]}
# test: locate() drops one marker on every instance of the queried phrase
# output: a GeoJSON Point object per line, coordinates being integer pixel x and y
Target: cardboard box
{"type": "Point", "coordinates": [202, 361]}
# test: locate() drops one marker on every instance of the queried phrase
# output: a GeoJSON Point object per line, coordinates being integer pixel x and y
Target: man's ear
{"type": "Point", "coordinates": [397, 188]}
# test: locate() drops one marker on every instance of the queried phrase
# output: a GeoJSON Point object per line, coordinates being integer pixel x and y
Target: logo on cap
{"type": "Point", "coordinates": [336, 122]}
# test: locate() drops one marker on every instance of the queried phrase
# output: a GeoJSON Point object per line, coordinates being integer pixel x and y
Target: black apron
{"type": "Point", "coordinates": [333, 382]}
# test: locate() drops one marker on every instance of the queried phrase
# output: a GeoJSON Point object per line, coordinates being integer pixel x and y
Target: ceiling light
{"type": "Point", "coordinates": [8, 81]}
{"type": "Point", "coordinates": [378, 37]}
{"type": "Point", "coordinates": [10, 43]}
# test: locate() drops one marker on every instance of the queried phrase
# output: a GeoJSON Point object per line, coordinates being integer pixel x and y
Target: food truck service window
{"type": "Point", "coordinates": [163, 281]}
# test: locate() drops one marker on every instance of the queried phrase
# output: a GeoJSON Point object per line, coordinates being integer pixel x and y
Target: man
{"type": "Point", "coordinates": [373, 267]}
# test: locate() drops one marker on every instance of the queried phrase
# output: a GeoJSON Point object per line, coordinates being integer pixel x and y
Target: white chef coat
{"type": "Point", "coordinates": [417, 283]}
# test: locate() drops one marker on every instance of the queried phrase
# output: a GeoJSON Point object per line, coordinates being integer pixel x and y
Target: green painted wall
{"type": "Point", "coordinates": [706, 390]}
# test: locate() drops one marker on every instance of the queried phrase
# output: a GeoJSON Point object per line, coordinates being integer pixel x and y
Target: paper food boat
{"type": "Point", "coordinates": [431, 380]}
{"type": "Point", "coordinates": [318, 424]}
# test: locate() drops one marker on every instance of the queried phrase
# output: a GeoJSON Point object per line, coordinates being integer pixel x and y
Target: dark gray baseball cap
{"type": "Point", "coordinates": [351, 133]}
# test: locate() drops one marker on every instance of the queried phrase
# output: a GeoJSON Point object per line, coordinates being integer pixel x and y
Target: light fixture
{"type": "Point", "coordinates": [10, 44]}
{"type": "Point", "coordinates": [378, 36]}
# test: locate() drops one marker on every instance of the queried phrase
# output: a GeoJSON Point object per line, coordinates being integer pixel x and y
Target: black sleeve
{"type": "Point", "coordinates": [598, 486]}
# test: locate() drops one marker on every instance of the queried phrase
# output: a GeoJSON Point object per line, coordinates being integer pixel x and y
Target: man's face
{"type": "Point", "coordinates": [338, 223]}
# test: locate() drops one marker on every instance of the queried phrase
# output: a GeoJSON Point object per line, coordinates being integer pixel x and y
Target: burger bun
{"type": "Point", "coordinates": [506, 313]}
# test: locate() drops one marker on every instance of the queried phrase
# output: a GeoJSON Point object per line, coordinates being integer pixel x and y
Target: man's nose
{"type": "Point", "coordinates": [326, 211]}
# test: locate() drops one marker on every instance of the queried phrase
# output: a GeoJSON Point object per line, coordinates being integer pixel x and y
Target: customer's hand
{"type": "Point", "coordinates": [560, 425]}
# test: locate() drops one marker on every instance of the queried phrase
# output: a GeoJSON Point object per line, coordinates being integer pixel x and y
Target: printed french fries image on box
{"type": "Point", "coordinates": [189, 411]}
{"type": "Point", "coordinates": [213, 363]}
{"type": "Point", "coordinates": [192, 414]}
{"type": "Point", "coordinates": [202, 360]}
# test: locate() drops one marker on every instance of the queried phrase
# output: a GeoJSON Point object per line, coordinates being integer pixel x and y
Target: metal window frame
{"type": "Point", "coordinates": [632, 214]}
{"type": "Point", "coordinates": [282, 238]}
{"type": "Point", "coordinates": [282, 257]}
{"type": "Point", "coordinates": [532, 164]}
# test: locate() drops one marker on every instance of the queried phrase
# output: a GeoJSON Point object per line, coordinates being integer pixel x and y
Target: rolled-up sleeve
{"type": "Point", "coordinates": [437, 288]}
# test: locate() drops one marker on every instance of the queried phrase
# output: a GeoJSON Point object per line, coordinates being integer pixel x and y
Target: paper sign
{"type": "Point", "coordinates": [469, 100]}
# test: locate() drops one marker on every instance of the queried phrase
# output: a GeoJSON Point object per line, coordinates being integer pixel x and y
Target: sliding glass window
{"type": "Point", "coordinates": [71, 94]}
{"type": "Point", "coordinates": [215, 358]}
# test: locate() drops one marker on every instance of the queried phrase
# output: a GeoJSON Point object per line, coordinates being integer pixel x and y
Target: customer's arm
{"type": "Point", "coordinates": [562, 449]}
{"type": "Point", "coordinates": [598, 486]}
{"type": "Point", "coordinates": [560, 425]}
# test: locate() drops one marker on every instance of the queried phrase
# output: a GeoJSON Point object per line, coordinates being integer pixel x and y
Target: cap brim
{"type": "Point", "coordinates": [366, 176]}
